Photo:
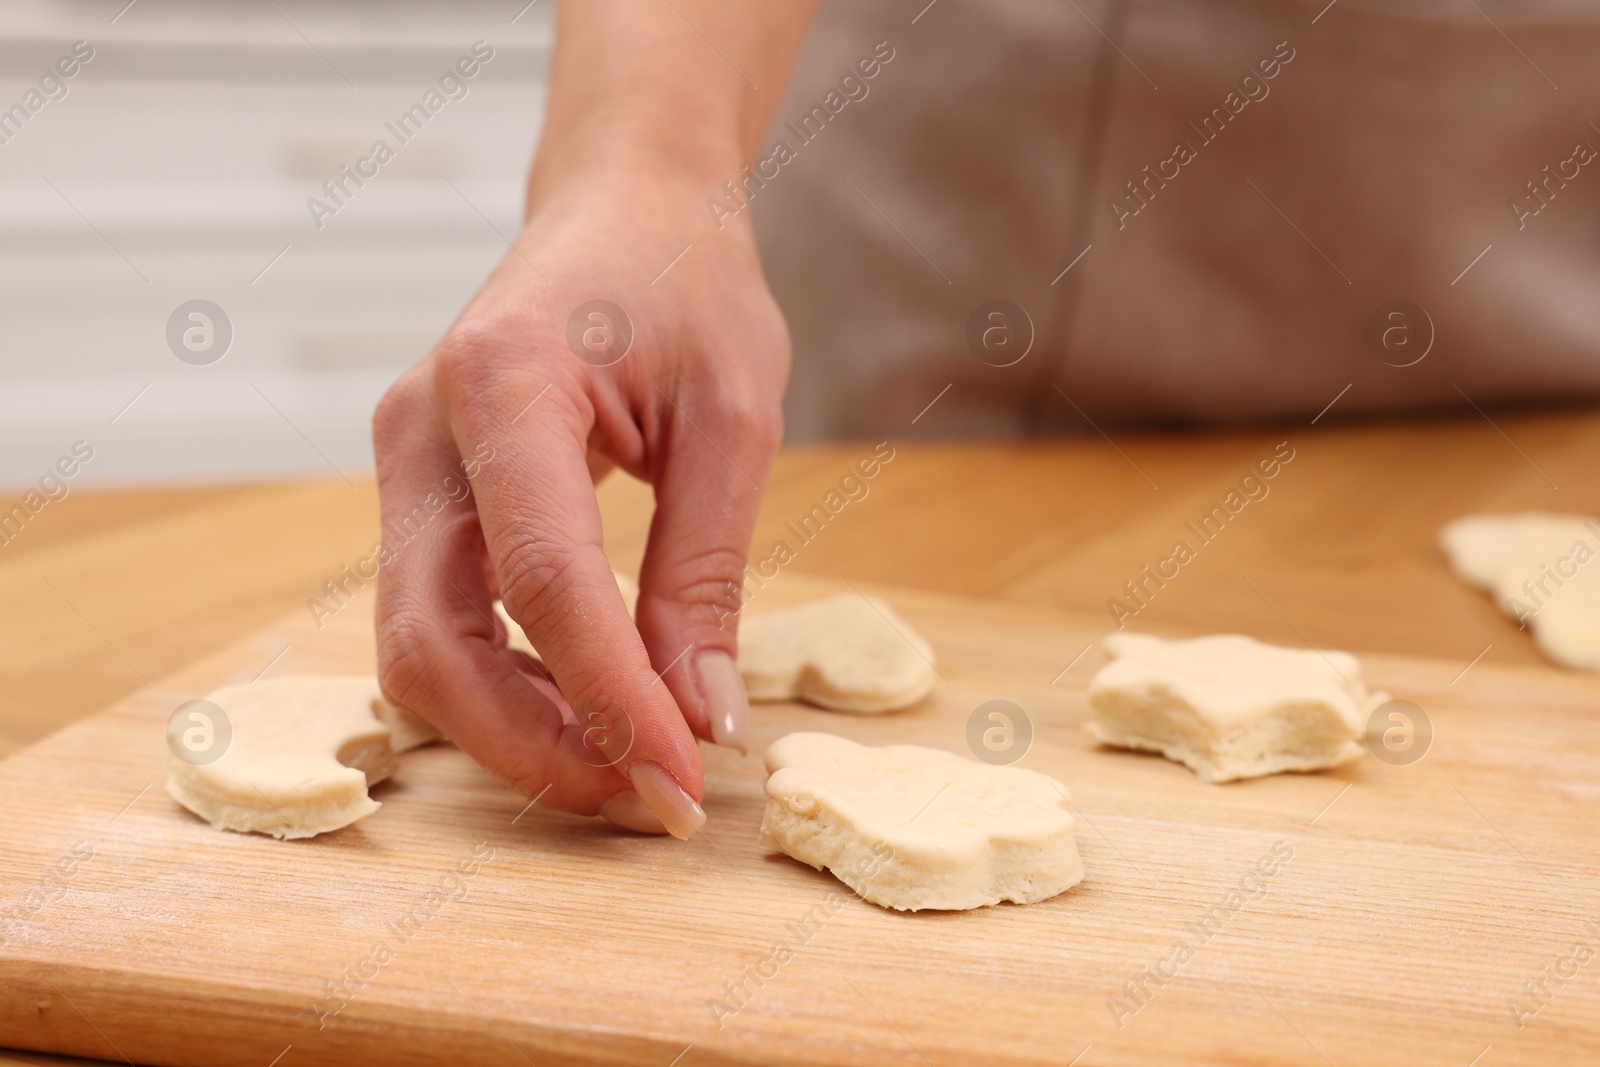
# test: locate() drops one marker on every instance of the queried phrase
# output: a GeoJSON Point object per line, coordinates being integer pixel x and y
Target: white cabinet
{"type": "Point", "coordinates": [178, 165]}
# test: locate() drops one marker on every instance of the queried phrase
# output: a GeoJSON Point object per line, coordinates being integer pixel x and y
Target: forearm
{"type": "Point", "coordinates": [636, 88]}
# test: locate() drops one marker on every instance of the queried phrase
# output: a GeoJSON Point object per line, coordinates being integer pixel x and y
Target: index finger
{"type": "Point", "coordinates": [541, 522]}
{"type": "Point", "coordinates": [438, 653]}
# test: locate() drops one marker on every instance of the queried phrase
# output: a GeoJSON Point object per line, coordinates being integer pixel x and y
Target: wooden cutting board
{"type": "Point", "coordinates": [1409, 904]}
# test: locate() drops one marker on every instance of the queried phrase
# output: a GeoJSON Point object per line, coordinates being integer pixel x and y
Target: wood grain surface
{"type": "Point", "coordinates": [1405, 912]}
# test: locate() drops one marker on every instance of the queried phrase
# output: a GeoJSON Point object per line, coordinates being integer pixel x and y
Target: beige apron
{"type": "Point", "coordinates": [1192, 211]}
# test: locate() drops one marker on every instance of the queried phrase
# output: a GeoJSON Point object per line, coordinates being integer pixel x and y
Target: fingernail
{"type": "Point", "coordinates": [666, 798]}
{"type": "Point", "coordinates": [726, 704]}
{"type": "Point", "coordinates": [628, 810]}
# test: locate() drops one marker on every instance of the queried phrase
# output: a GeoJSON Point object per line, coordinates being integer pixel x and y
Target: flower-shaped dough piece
{"type": "Point", "coordinates": [1228, 706]}
{"type": "Point", "coordinates": [909, 827]}
{"type": "Point", "coordinates": [846, 653]}
{"type": "Point", "coordinates": [1540, 569]}
{"type": "Point", "coordinates": [297, 753]}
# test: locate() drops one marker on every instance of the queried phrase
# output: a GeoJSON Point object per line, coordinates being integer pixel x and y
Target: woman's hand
{"type": "Point", "coordinates": [535, 392]}
{"type": "Point", "coordinates": [624, 328]}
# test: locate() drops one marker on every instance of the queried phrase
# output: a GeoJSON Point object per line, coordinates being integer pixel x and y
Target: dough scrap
{"type": "Point", "coordinates": [517, 638]}
{"type": "Point", "coordinates": [845, 653]}
{"type": "Point", "coordinates": [304, 750]}
{"type": "Point", "coordinates": [909, 827]}
{"type": "Point", "coordinates": [1228, 706]}
{"type": "Point", "coordinates": [1523, 560]}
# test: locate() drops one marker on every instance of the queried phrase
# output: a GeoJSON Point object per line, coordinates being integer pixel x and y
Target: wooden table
{"type": "Point", "coordinates": [107, 590]}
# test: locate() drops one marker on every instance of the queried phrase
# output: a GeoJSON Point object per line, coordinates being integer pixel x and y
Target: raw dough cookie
{"type": "Point", "coordinates": [407, 729]}
{"type": "Point", "coordinates": [302, 752]}
{"type": "Point", "coordinates": [1229, 706]}
{"type": "Point", "coordinates": [517, 638]}
{"type": "Point", "coordinates": [848, 653]}
{"type": "Point", "coordinates": [909, 827]}
{"type": "Point", "coordinates": [1537, 567]}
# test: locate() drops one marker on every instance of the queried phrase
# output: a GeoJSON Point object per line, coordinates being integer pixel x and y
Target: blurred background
{"type": "Point", "coordinates": [177, 167]}
{"type": "Point", "coordinates": [176, 164]}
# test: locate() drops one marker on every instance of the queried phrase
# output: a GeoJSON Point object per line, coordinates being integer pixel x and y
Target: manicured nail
{"type": "Point", "coordinates": [726, 704]}
{"type": "Point", "coordinates": [675, 808]}
{"type": "Point", "coordinates": [628, 810]}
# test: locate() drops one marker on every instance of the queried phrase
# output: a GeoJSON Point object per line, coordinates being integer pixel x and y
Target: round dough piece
{"type": "Point", "coordinates": [302, 752]}
{"type": "Point", "coordinates": [909, 827]}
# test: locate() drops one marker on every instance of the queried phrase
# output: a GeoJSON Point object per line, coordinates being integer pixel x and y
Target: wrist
{"type": "Point", "coordinates": [624, 181]}
{"type": "Point", "coordinates": [633, 144]}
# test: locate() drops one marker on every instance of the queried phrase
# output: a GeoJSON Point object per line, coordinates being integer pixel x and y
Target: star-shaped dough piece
{"type": "Point", "coordinates": [1228, 706]}
{"type": "Point", "coordinates": [297, 753]}
{"type": "Point", "coordinates": [909, 827]}
{"type": "Point", "coordinates": [845, 653]}
{"type": "Point", "coordinates": [1540, 568]}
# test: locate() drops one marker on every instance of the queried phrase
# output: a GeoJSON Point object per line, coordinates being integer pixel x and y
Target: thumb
{"type": "Point", "coordinates": [709, 485]}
